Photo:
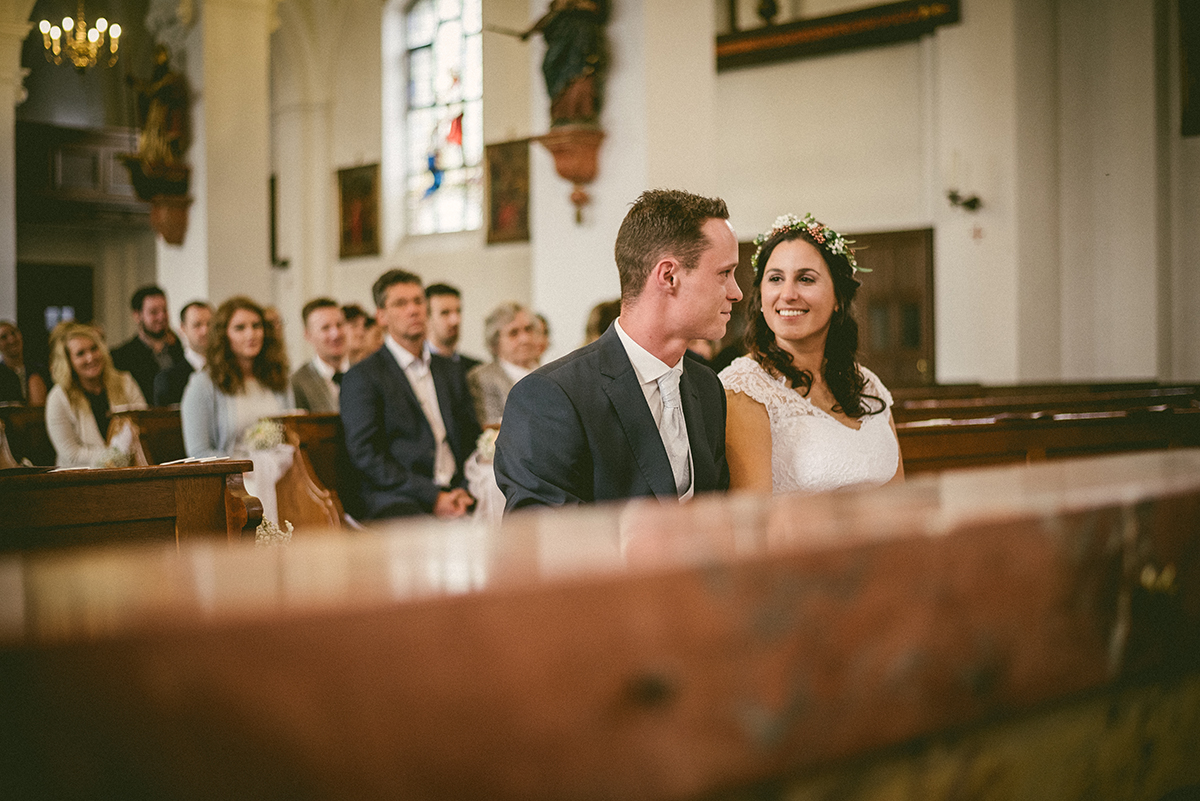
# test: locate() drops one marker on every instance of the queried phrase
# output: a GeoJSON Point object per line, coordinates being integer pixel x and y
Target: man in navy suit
{"type": "Point", "coordinates": [407, 414]}
{"type": "Point", "coordinates": [600, 423]}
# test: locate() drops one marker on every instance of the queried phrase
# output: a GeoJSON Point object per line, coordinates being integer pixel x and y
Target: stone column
{"type": "Point", "coordinates": [14, 27]}
{"type": "Point", "coordinates": [227, 247]}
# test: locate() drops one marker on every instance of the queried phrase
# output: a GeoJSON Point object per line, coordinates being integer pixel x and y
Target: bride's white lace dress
{"type": "Point", "coordinates": [810, 450]}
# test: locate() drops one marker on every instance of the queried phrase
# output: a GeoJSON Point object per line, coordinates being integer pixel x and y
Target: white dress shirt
{"type": "Point", "coordinates": [416, 370]}
{"type": "Point", "coordinates": [649, 368]}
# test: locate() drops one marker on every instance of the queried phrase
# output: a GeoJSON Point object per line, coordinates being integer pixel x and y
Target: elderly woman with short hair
{"type": "Point", "coordinates": [513, 336]}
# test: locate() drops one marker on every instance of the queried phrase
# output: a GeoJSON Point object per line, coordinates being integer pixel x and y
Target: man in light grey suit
{"type": "Point", "coordinates": [512, 335]}
{"type": "Point", "coordinates": [318, 382]}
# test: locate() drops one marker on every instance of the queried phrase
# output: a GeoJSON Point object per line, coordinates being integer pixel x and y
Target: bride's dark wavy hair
{"type": "Point", "coordinates": [841, 372]}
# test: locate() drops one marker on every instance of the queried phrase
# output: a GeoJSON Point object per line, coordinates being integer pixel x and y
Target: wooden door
{"type": "Point", "coordinates": [894, 306]}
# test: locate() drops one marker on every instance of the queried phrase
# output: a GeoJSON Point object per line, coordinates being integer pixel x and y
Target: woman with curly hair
{"type": "Point", "coordinates": [803, 415]}
{"type": "Point", "coordinates": [244, 380]}
{"type": "Point", "coordinates": [86, 388]}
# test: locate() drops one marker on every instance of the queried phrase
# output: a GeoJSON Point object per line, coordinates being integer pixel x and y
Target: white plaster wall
{"type": "Point", "coordinates": [1109, 189]}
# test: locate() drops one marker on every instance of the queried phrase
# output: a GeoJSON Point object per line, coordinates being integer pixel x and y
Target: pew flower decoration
{"type": "Point", "coordinates": [486, 444]}
{"type": "Point", "coordinates": [268, 534]}
{"type": "Point", "coordinates": [264, 435]}
{"type": "Point", "coordinates": [114, 457]}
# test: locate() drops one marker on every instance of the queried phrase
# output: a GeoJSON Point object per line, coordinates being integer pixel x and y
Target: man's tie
{"type": "Point", "coordinates": [337, 377]}
{"type": "Point", "coordinates": [673, 429]}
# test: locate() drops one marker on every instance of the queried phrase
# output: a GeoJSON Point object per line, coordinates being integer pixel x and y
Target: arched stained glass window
{"type": "Point", "coordinates": [443, 43]}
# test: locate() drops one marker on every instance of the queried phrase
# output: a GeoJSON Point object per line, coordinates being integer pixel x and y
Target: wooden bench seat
{"type": "Point", "coordinates": [1046, 403]}
{"type": "Point", "coordinates": [942, 444]}
{"type": "Point", "coordinates": [27, 436]}
{"type": "Point", "coordinates": [62, 508]}
{"type": "Point", "coordinates": [302, 498]}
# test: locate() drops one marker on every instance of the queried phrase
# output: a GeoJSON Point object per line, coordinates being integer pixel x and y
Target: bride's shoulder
{"type": "Point", "coordinates": [747, 376]}
{"type": "Point", "coordinates": [874, 386]}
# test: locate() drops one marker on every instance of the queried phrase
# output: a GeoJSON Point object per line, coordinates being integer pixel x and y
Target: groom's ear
{"type": "Point", "coordinates": [664, 276]}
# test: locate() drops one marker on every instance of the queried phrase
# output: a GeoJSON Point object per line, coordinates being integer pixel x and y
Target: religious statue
{"type": "Point", "coordinates": [162, 106]}
{"type": "Point", "coordinates": [159, 170]}
{"type": "Point", "coordinates": [576, 59]}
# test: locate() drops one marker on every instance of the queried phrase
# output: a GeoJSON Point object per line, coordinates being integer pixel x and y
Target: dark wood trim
{"type": "Point", "coordinates": [868, 27]}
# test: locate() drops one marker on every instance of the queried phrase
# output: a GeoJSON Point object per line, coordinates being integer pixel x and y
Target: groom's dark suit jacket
{"type": "Point", "coordinates": [579, 430]}
{"type": "Point", "coordinates": [389, 443]}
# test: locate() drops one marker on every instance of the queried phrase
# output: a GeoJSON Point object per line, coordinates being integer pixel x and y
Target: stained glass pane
{"type": "Point", "coordinates": [420, 78]}
{"type": "Point", "coordinates": [472, 130]}
{"type": "Point", "coordinates": [445, 68]}
{"type": "Point", "coordinates": [421, 24]}
{"type": "Point", "coordinates": [421, 136]}
{"type": "Point", "coordinates": [472, 17]}
{"type": "Point", "coordinates": [448, 58]}
{"type": "Point", "coordinates": [473, 68]}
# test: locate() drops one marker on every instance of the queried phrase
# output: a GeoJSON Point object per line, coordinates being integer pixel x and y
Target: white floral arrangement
{"type": "Point", "coordinates": [821, 233]}
{"type": "Point", "coordinates": [114, 457]}
{"type": "Point", "coordinates": [263, 435]}
{"type": "Point", "coordinates": [486, 444]}
{"type": "Point", "coordinates": [268, 533]}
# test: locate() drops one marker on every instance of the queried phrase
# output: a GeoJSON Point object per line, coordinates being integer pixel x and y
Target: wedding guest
{"type": "Point", "coordinates": [803, 415]}
{"type": "Point", "coordinates": [543, 335]}
{"type": "Point", "coordinates": [599, 319]}
{"type": "Point", "coordinates": [360, 333]}
{"type": "Point", "coordinates": [154, 347]}
{"type": "Point", "coordinates": [245, 378]}
{"type": "Point", "coordinates": [194, 320]}
{"type": "Point", "coordinates": [513, 338]}
{"type": "Point", "coordinates": [319, 381]}
{"type": "Point", "coordinates": [445, 322]}
{"type": "Point", "coordinates": [407, 414]}
{"type": "Point", "coordinates": [32, 378]}
{"type": "Point", "coordinates": [86, 388]}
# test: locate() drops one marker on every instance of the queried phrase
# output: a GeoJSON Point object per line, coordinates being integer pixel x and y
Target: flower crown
{"type": "Point", "coordinates": [821, 233]}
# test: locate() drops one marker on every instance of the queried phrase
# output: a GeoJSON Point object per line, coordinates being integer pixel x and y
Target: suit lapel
{"type": "Point", "coordinates": [703, 469]}
{"type": "Point", "coordinates": [629, 403]}
{"type": "Point", "coordinates": [440, 369]}
{"type": "Point", "coordinates": [396, 383]}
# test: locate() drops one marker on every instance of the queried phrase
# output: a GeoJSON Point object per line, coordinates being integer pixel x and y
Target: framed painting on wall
{"type": "Point", "coordinates": [507, 191]}
{"type": "Point", "coordinates": [358, 211]}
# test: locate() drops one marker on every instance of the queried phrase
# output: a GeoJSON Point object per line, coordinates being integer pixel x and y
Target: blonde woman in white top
{"type": "Point", "coordinates": [86, 388]}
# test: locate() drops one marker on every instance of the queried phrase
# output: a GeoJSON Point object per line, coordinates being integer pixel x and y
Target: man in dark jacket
{"type": "Point", "coordinates": [154, 347]}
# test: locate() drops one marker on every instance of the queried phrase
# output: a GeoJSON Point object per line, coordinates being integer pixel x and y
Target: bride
{"type": "Point", "coordinates": [803, 415]}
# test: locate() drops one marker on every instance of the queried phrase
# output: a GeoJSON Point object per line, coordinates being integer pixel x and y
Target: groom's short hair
{"type": "Point", "coordinates": [662, 222]}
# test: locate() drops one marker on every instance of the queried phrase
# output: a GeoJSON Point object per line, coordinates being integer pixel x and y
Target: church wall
{"type": "Point", "coordinates": [1048, 113]}
{"type": "Point", "coordinates": [1109, 189]}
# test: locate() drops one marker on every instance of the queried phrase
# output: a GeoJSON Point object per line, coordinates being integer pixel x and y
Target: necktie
{"type": "Point", "coordinates": [337, 377]}
{"type": "Point", "coordinates": [673, 429]}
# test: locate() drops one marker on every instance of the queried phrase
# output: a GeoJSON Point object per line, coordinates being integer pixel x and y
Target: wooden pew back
{"type": "Point", "coordinates": [27, 437]}
{"type": "Point", "coordinates": [62, 508]}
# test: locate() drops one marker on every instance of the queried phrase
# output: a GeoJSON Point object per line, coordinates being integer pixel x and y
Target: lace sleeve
{"type": "Point", "coordinates": [746, 376]}
{"type": "Point", "coordinates": [875, 387]}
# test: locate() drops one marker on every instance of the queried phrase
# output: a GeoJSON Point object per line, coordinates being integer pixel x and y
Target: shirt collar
{"type": "Point", "coordinates": [649, 368]}
{"type": "Point", "coordinates": [196, 360]}
{"type": "Point", "coordinates": [405, 358]}
{"type": "Point", "coordinates": [325, 371]}
{"type": "Point", "coordinates": [514, 371]}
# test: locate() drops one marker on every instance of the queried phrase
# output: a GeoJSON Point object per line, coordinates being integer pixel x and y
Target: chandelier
{"type": "Point", "coordinates": [83, 46]}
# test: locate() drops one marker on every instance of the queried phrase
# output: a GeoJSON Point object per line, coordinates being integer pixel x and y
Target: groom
{"type": "Point", "coordinates": [629, 415]}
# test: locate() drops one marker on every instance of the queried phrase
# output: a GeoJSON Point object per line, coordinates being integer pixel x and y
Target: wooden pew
{"type": "Point", "coordinates": [301, 497]}
{"type": "Point", "coordinates": [1025, 633]}
{"type": "Point", "coordinates": [1046, 402]}
{"type": "Point", "coordinates": [27, 437]}
{"type": "Point", "coordinates": [943, 444]}
{"type": "Point", "coordinates": [7, 459]}
{"type": "Point", "coordinates": [60, 508]}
